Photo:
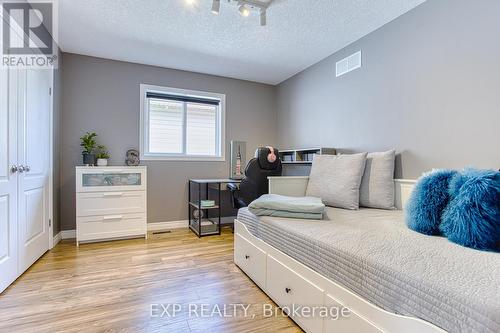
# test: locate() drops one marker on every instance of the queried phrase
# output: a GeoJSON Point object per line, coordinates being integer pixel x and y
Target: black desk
{"type": "Point", "coordinates": [201, 219]}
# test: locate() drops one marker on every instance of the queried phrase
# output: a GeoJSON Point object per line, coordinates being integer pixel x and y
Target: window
{"type": "Point", "coordinates": [178, 124]}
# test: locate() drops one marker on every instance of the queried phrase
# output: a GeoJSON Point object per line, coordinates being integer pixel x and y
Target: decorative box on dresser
{"type": "Point", "coordinates": [111, 203]}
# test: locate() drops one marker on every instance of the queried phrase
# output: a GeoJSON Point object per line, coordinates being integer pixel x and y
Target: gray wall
{"type": "Point", "coordinates": [429, 87]}
{"type": "Point", "coordinates": [103, 96]}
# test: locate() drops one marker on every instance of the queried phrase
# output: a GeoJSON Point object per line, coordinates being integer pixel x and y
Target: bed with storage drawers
{"type": "Point", "coordinates": [391, 279]}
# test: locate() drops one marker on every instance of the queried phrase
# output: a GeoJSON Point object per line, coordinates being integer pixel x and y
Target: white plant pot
{"type": "Point", "coordinates": [102, 162]}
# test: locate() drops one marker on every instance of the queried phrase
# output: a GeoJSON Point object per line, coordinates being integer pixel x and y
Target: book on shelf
{"type": "Point", "coordinates": [207, 203]}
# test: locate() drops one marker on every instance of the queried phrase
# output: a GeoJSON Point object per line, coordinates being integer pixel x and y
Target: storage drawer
{"type": "Point", "coordinates": [102, 179]}
{"type": "Point", "coordinates": [110, 226]}
{"type": "Point", "coordinates": [289, 289]}
{"type": "Point", "coordinates": [351, 323]}
{"type": "Point", "coordinates": [105, 203]}
{"type": "Point", "coordinates": [250, 259]}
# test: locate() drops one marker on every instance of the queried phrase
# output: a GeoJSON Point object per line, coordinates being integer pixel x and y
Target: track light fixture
{"type": "Point", "coordinates": [216, 7]}
{"type": "Point", "coordinates": [245, 7]}
{"type": "Point", "coordinates": [263, 17]}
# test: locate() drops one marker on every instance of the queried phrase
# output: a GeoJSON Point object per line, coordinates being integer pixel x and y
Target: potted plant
{"type": "Point", "coordinates": [102, 155]}
{"type": "Point", "coordinates": [88, 143]}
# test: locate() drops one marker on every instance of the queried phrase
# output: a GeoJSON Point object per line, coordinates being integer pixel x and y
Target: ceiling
{"type": "Point", "coordinates": [170, 33]}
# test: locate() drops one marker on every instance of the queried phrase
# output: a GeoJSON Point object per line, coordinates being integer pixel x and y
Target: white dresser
{"type": "Point", "coordinates": [111, 203]}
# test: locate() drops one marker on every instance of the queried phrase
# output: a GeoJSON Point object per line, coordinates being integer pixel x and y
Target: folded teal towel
{"type": "Point", "coordinates": [283, 206]}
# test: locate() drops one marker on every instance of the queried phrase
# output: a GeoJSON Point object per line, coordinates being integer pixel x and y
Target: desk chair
{"type": "Point", "coordinates": [265, 164]}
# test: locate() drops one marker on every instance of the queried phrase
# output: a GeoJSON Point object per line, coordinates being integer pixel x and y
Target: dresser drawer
{"type": "Point", "coordinates": [103, 179]}
{"type": "Point", "coordinates": [289, 289]}
{"type": "Point", "coordinates": [110, 226]}
{"type": "Point", "coordinates": [105, 203]}
{"type": "Point", "coordinates": [351, 323]}
{"type": "Point", "coordinates": [250, 259]}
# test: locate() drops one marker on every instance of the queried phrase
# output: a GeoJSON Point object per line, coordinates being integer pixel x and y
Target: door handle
{"type": "Point", "coordinates": [27, 168]}
{"type": "Point", "coordinates": [20, 168]}
{"type": "Point", "coordinates": [14, 169]}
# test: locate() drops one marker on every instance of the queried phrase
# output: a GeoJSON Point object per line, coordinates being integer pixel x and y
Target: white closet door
{"type": "Point", "coordinates": [8, 180]}
{"type": "Point", "coordinates": [33, 154]}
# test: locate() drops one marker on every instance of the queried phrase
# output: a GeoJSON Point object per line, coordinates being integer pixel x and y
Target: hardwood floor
{"type": "Point", "coordinates": [110, 287]}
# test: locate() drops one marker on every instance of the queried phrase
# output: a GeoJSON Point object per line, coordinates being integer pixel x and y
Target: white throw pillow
{"type": "Point", "coordinates": [377, 184]}
{"type": "Point", "coordinates": [336, 179]}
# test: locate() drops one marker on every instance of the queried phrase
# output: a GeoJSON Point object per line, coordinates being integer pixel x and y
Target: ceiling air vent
{"type": "Point", "coordinates": [348, 64]}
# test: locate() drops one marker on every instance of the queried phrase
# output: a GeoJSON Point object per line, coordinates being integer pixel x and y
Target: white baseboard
{"type": "Point", "coordinates": [156, 226]}
{"type": "Point", "coordinates": [68, 234]}
{"type": "Point", "coordinates": [57, 238]}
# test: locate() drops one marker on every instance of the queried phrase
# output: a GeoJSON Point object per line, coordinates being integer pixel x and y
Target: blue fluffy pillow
{"type": "Point", "coordinates": [427, 202]}
{"type": "Point", "coordinates": [472, 218]}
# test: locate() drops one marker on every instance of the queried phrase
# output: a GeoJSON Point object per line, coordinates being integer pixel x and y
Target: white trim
{"type": "Point", "coordinates": [402, 191]}
{"type": "Point", "coordinates": [56, 239]}
{"type": "Point", "coordinates": [68, 234]}
{"type": "Point", "coordinates": [182, 158]}
{"type": "Point", "coordinates": [154, 226]}
{"type": "Point", "coordinates": [221, 139]}
{"type": "Point", "coordinates": [157, 226]}
{"type": "Point", "coordinates": [51, 163]}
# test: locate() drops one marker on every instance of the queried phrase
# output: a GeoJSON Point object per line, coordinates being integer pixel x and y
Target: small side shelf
{"type": "Point", "coordinates": [206, 221]}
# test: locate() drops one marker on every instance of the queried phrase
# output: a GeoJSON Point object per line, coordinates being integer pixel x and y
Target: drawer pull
{"type": "Point", "coordinates": [112, 217]}
{"type": "Point", "coordinates": [112, 194]}
{"type": "Point", "coordinates": [247, 256]}
{"type": "Point", "coordinates": [288, 290]}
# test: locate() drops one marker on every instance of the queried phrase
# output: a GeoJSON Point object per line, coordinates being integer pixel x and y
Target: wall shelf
{"type": "Point", "coordinates": [303, 156]}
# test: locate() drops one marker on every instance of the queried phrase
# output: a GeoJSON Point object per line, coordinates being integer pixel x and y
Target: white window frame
{"type": "Point", "coordinates": [144, 125]}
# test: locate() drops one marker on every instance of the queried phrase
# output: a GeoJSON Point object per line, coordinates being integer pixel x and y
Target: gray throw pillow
{"type": "Point", "coordinates": [377, 185]}
{"type": "Point", "coordinates": [336, 179]}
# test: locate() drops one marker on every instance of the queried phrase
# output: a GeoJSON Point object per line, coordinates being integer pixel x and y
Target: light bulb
{"type": "Point", "coordinates": [244, 11]}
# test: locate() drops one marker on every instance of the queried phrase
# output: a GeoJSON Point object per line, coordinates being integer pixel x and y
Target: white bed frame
{"type": "Point", "coordinates": [290, 283]}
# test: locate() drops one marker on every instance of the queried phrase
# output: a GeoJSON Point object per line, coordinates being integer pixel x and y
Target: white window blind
{"type": "Point", "coordinates": [182, 126]}
{"type": "Point", "coordinates": [166, 120]}
{"type": "Point", "coordinates": [201, 130]}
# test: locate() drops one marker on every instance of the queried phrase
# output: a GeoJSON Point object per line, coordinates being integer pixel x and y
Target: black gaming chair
{"type": "Point", "coordinates": [265, 164]}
